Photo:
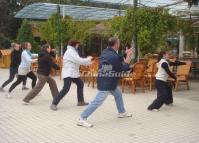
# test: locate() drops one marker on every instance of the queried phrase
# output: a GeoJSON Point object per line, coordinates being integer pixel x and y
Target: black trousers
{"type": "Point", "coordinates": [21, 78]}
{"type": "Point", "coordinates": [13, 72]}
{"type": "Point", "coordinates": [164, 95]}
{"type": "Point", "coordinates": [66, 88]}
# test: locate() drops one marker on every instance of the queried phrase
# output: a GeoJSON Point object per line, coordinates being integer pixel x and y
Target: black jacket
{"type": "Point", "coordinates": [110, 66]}
{"type": "Point", "coordinates": [45, 63]}
{"type": "Point", "coordinates": [15, 59]}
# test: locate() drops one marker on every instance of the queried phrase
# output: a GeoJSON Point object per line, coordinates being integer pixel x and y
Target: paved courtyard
{"type": "Point", "coordinates": [38, 124]}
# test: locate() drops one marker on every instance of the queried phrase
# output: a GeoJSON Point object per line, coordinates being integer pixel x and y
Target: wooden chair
{"type": "Point", "coordinates": [34, 67]}
{"type": "Point", "coordinates": [137, 76]}
{"type": "Point", "coordinates": [59, 61]}
{"type": "Point", "coordinates": [183, 75]}
{"type": "Point", "coordinates": [150, 72]}
{"type": "Point", "coordinates": [52, 70]}
{"type": "Point", "coordinates": [93, 71]}
{"type": "Point", "coordinates": [84, 71]}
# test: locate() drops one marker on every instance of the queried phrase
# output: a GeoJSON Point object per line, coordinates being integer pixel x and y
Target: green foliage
{"type": "Point", "coordinates": [25, 35]}
{"type": "Point", "coordinates": [116, 24]}
{"type": "Point", "coordinates": [50, 30]}
{"type": "Point", "coordinates": [69, 30]}
{"type": "Point", "coordinates": [188, 31]}
{"type": "Point", "coordinates": [8, 24]}
{"type": "Point", "coordinates": [81, 30]}
{"type": "Point", "coordinates": [151, 24]}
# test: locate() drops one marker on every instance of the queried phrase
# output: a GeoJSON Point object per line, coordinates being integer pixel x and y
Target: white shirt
{"type": "Point", "coordinates": [26, 60]}
{"type": "Point", "coordinates": [162, 74]}
{"type": "Point", "coordinates": [72, 62]}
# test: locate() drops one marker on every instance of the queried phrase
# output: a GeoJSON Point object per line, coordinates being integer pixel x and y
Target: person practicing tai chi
{"type": "Point", "coordinates": [15, 61]}
{"type": "Point", "coordinates": [24, 70]}
{"type": "Point", "coordinates": [110, 66]}
{"type": "Point", "coordinates": [70, 73]}
{"type": "Point", "coordinates": [164, 90]}
{"type": "Point", "coordinates": [45, 63]}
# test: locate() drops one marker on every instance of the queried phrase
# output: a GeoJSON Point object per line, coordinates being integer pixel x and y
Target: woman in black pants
{"type": "Point", "coordinates": [15, 61]}
{"type": "Point", "coordinates": [24, 70]}
{"type": "Point", "coordinates": [164, 90]}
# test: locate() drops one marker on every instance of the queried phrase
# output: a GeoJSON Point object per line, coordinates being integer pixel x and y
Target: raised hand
{"type": "Point", "coordinates": [34, 60]}
{"type": "Point", "coordinates": [129, 53]}
{"type": "Point", "coordinates": [90, 58]}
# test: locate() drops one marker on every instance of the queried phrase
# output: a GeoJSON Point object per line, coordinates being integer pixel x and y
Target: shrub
{"type": "Point", "coordinates": [25, 35]}
{"type": "Point", "coordinates": [4, 42]}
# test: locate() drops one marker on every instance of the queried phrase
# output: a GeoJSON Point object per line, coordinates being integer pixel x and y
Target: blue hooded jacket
{"type": "Point", "coordinates": [110, 66]}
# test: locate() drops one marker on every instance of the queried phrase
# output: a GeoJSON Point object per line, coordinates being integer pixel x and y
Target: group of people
{"type": "Point", "coordinates": [15, 61]}
{"type": "Point", "coordinates": [22, 58]}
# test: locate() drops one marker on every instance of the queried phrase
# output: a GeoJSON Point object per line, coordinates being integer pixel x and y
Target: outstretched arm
{"type": "Point", "coordinates": [28, 57]}
{"type": "Point", "coordinates": [176, 63]}
{"type": "Point", "coordinates": [166, 68]}
{"type": "Point", "coordinates": [81, 61]}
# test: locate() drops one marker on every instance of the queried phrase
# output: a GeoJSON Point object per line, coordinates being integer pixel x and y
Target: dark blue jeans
{"type": "Point", "coordinates": [66, 88]}
{"type": "Point", "coordinates": [164, 95]}
{"type": "Point", "coordinates": [13, 72]}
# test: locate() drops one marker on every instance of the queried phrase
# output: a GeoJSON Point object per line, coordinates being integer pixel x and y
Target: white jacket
{"type": "Point", "coordinates": [72, 62]}
{"type": "Point", "coordinates": [26, 60]}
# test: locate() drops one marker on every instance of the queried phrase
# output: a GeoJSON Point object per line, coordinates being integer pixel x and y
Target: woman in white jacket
{"type": "Point", "coordinates": [25, 67]}
{"type": "Point", "coordinates": [70, 73]}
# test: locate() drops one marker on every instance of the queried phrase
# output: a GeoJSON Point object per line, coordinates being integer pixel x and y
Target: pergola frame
{"type": "Point", "coordinates": [43, 11]}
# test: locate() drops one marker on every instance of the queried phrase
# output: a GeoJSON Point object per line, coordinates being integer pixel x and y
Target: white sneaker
{"type": "Point", "coordinates": [26, 103]}
{"type": "Point", "coordinates": [124, 115]}
{"type": "Point", "coordinates": [8, 95]}
{"type": "Point", "coordinates": [154, 110]}
{"type": "Point", "coordinates": [84, 123]}
{"type": "Point", "coordinates": [53, 107]}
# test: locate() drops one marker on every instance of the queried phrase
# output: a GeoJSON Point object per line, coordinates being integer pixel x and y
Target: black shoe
{"type": "Point", "coordinates": [82, 103]}
{"type": "Point", "coordinates": [170, 105]}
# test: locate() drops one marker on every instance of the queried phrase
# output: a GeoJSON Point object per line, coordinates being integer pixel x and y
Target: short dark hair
{"type": "Point", "coordinates": [73, 42]}
{"type": "Point", "coordinates": [112, 41]}
{"type": "Point", "coordinates": [45, 47]}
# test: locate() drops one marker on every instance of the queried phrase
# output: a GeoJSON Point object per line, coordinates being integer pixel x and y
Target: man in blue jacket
{"type": "Point", "coordinates": [111, 67]}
